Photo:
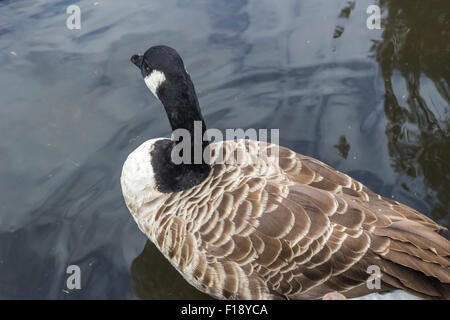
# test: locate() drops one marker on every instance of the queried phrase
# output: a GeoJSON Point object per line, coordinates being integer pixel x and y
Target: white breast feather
{"type": "Point", "coordinates": [138, 178]}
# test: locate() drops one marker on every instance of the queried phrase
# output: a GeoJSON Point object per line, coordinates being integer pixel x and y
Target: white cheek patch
{"type": "Point", "coordinates": [154, 80]}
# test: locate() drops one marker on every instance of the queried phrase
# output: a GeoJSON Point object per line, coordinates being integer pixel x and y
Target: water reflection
{"type": "Point", "coordinates": [413, 56]}
{"type": "Point", "coordinates": [152, 277]}
{"type": "Point", "coordinates": [344, 14]}
{"type": "Point", "coordinates": [343, 147]}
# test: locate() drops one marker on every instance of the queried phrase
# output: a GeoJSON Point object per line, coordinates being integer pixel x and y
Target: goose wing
{"type": "Point", "coordinates": [300, 228]}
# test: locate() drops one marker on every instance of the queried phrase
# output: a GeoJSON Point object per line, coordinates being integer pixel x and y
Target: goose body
{"type": "Point", "coordinates": [275, 223]}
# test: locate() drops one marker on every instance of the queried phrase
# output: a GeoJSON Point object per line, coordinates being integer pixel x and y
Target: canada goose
{"type": "Point", "coordinates": [270, 227]}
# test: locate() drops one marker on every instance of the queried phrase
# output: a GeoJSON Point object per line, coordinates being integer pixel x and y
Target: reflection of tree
{"type": "Point", "coordinates": [343, 147]}
{"type": "Point", "coordinates": [415, 43]}
{"type": "Point", "coordinates": [345, 14]}
{"type": "Point", "coordinates": [153, 277]}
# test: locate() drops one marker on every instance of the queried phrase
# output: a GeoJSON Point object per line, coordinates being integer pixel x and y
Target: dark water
{"type": "Point", "coordinates": [371, 103]}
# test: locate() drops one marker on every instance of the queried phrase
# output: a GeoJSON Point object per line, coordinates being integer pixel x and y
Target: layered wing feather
{"type": "Point", "coordinates": [267, 226]}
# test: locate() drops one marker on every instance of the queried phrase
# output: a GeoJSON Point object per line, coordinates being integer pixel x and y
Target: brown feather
{"type": "Point", "coordinates": [296, 226]}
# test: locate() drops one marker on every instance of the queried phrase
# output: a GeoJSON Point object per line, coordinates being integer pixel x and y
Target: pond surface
{"type": "Point", "coordinates": [371, 103]}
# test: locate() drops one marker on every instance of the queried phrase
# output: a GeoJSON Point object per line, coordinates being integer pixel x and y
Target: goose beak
{"type": "Point", "coordinates": [137, 60]}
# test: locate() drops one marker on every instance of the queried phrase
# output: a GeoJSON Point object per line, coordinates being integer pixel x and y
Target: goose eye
{"type": "Point", "coordinates": [147, 67]}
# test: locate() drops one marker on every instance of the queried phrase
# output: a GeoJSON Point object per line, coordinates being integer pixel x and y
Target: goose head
{"type": "Point", "coordinates": [164, 74]}
{"type": "Point", "coordinates": [163, 71]}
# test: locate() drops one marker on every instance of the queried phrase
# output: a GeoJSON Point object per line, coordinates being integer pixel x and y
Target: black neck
{"type": "Point", "coordinates": [183, 110]}
{"type": "Point", "coordinates": [181, 104]}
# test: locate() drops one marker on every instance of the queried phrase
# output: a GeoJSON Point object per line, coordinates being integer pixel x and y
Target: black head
{"type": "Point", "coordinates": [164, 74]}
{"type": "Point", "coordinates": [161, 58]}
